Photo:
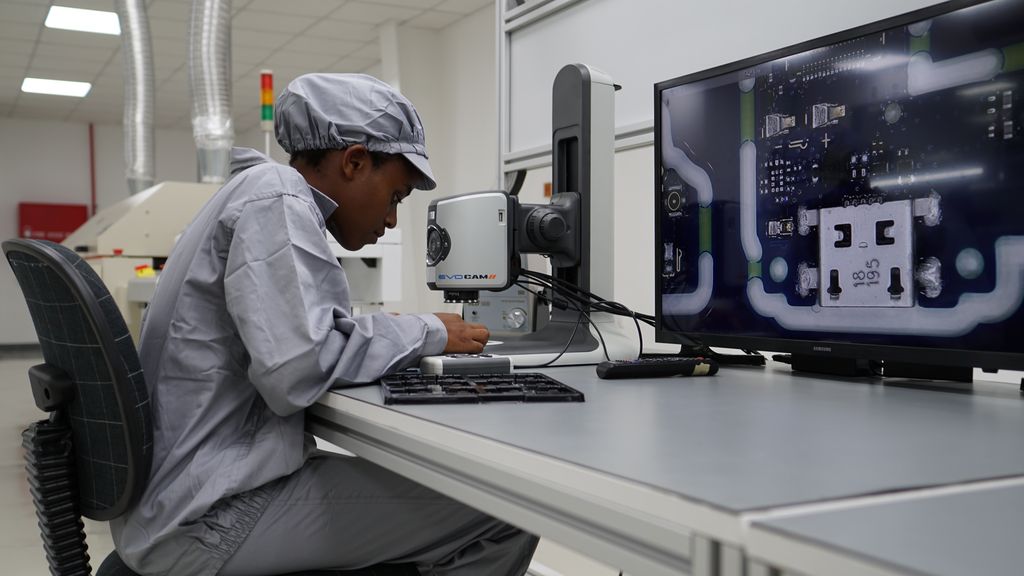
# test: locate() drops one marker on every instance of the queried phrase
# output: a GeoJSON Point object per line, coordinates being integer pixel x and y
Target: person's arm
{"type": "Point", "coordinates": [289, 299]}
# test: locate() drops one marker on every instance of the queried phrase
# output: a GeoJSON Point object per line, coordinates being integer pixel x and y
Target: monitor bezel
{"type": "Point", "coordinates": [828, 348]}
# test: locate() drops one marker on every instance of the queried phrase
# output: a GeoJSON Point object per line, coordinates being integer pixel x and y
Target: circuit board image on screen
{"type": "Point", "coordinates": [867, 191]}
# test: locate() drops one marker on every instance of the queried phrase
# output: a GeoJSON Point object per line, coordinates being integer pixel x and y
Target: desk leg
{"type": "Point", "coordinates": [704, 556]}
{"type": "Point", "coordinates": [730, 561]}
{"type": "Point", "coordinates": [755, 568]}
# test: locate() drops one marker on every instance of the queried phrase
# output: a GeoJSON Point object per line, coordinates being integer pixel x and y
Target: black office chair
{"type": "Point", "coordinates": [92, 456]}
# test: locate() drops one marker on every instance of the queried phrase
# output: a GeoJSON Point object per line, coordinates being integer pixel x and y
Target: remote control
{"type": "Point", "coordinates": [655, 367]}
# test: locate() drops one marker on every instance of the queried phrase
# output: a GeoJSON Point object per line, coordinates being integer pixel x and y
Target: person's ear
{"type": "Point", "coordinates": [354, 160]}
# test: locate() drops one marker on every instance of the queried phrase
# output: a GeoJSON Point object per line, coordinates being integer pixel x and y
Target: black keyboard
{"type": "Point", "coordinates": [475, 388]}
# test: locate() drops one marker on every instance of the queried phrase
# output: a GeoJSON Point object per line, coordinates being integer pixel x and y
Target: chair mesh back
{"type": "Point", "coordinates": [82, 332]}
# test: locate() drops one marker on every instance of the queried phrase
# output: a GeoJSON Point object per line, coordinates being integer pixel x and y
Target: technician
{"type": "Point", "coordinates": [251, 323]}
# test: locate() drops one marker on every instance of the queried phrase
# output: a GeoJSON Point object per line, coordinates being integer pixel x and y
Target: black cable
{"type": "Point", "coordinates": [596, 302]}
{"type": "Point", "coordinates": [600, 336]}
{"type": "Point", "coordinates": [592, 300]}
{"type": "Point", "coordinates": [560, 354]}
{"type": "Point", "coordinates": [603, 306]}
{"type": "Point", "coordinates": [580, 299]}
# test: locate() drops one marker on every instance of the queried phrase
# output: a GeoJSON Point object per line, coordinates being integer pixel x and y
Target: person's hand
{"type": "Point", "coordinates": [463, 337]}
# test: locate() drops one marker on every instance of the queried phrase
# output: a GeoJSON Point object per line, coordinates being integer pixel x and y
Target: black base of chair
{"type": "Point", "coordinates": [113, 566]}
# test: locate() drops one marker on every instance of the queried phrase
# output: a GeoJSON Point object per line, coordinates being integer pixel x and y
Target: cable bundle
{"type": "Point", "coordinates": [565, 295]}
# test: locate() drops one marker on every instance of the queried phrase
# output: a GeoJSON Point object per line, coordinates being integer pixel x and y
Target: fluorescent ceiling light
{"type": "Point", "coordinates": [55, 87]}
{"type": "Point", "coordinates": [82, 20]}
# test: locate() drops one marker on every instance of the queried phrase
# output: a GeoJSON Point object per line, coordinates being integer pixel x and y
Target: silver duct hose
{"type": "Point", "coordinates": [137, 51]}
{"type": "Point", "coordinates": [209, 70]}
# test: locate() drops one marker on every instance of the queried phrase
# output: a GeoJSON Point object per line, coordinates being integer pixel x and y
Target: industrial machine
{"type": "Point", "coordinates": [128, 242]}
{"type": "Point", "coordinates": [475, 241]}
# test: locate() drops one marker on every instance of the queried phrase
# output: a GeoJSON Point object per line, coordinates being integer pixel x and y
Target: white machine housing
{"type": "Point", "coordinates": [143, 228]}
{"type": "Point", "coordinates": [374, 272]}
{"type": "Point", "coordinates": [134, 232]}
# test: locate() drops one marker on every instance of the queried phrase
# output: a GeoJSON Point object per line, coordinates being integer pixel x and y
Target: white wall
{"type": "Point", "coordinates": [450, 77]}
{"type": "Point", "coordinates": [46, 161]}
{"type": "Point", "coordinates": [175, 159]}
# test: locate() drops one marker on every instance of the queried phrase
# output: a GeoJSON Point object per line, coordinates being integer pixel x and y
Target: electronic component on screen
{"type": "Point", "coordinates": [865, 191]}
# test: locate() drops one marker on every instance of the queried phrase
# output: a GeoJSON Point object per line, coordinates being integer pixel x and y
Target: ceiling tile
{"type": "Point", "coordinates": [355, 31]}
{"type": "Point", "coordinates": [12, 60]}
{"type": "Point", "coordinates": [168, 28]}
{"type": "Point", "coordinates": [270, 21]}
{"type": "Point", "coordinates": [9, 94]}
{"type": "Point", "coordinates": [162, 76]}
{"type": "Point", "coordinates": [105, 5]}
{"type": "Point", "coordinates": [96, 116]}
{"type": "Point", "coordinates": [247, 89]}
{"type": "Point", "coordinates": [92, 54]}
{"type": "Point", "coordinates": [104, 91]}
{"type": "Point", "coordinates": [315, 8]}
{"type": "Point", "coordinates": [336, 46]}
{"type": "Point", "coordinates": [371, 51]}
{"type": "Point", "coordinates": [74, 76]}
{"type": "Point", "coordinates": [12, 73]}
{"type": "Point", "coordinates": [16, 46]}
{"type": "Point", "coordinates": [72, 38]}
{"type": "Point", "coordinates": [19, 30]}
{"type": "Point", "coordinates": [434, 19]}
{"type": "Point", "coordinates": [67, 66]}
{"type": "Point", "coordinates": [37, 107]}
{"type": "Point", "coordinates": [418, 4]}
{"type": "Point", "coordinates": [170, 47]}
{"type": "Point", "coordinates": [308, 60]}
{"type": "Point", "coordinates": [463, 6]}
{"type": "Point", "coordinates": [244, 70]}
{"type": "Point", "coordinates": [352, 64]}
{"type": "Point", "coordinates": [163, 69]}
{"type": "Point", "coordinates": [240, 39]}
{"type": "Point", "coordinates": [170, 10]}
{"type": "Point", "coordinates": [374, 13]}
{"type": "Point", "coordinates": [248, 57]}
{"type": "Point", "coordinates": [29, 13]}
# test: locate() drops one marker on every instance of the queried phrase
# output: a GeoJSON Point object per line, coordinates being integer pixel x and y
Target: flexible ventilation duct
{"type": "Point", "coordinates": [209, 70]}
{"type": "Point", "coordinates": [138, 94]}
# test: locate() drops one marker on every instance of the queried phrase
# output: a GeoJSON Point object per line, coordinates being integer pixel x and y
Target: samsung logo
{"type": "Point", "coordinates": [467, 276]}
{"type": "Point", "coordinates": [821, 348]}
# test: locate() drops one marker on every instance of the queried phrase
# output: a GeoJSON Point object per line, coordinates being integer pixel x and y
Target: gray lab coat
{"type": "Point", "coordinates": [254, 268]}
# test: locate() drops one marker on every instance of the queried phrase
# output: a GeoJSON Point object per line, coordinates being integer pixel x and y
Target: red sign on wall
{"type": "Point", "coordinates": [50, 221]}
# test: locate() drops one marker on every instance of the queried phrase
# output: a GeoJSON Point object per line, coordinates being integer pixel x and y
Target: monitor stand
{"type": "Point", "coordinates": [860, 367]}
{"type": "Point", "coordinates": [848, 367]}
{"type": "Point", "coordinates": [928, 372]}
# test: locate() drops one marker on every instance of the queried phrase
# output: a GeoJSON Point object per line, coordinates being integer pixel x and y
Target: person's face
{"type": "Point", "coordinates": [368, 196]}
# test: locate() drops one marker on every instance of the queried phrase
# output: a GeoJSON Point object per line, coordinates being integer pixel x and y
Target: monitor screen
{"type": "Point", "coordinates": [860, 195]}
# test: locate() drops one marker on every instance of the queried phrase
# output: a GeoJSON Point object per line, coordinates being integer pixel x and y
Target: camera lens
{"type": "Point", "coordinates": [438, 244]}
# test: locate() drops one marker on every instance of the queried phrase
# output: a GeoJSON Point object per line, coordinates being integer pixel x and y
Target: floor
{"type": "Point", "coordinates": [20, 545]}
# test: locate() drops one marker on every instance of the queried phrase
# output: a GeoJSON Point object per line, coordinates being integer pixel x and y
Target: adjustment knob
{"type": "Point", "coordinates": [545, 225]}
{"type": "Point", "coordinates": [515, 318]}
{"type": "Point", "coordinates": [552, 227]}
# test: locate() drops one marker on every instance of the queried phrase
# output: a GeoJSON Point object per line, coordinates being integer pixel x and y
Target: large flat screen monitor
{"type": "Point", "coordinates": [860, 195]}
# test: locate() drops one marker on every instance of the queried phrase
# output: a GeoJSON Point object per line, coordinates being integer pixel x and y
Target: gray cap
{"type": "Point", "coordinates": [335, 111]}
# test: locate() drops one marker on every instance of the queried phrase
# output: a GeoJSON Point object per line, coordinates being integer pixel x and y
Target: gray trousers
{"type": "Point", "coordinates": [343, 513]}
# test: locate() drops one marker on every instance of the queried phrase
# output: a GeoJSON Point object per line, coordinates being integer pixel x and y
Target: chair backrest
{"type": "Point", "coordinates": [82, 333]}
